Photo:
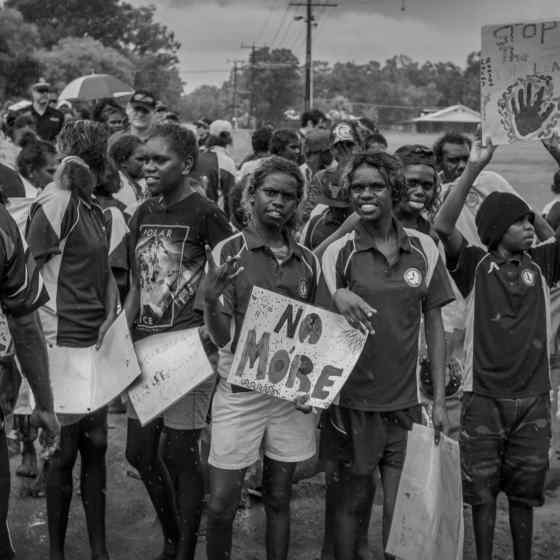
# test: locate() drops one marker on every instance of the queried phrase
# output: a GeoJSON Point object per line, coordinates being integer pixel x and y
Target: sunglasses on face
{"type": "Point", "coordinates": [42, 90]}
{"type": "Point", "coordinates": [140, 109]}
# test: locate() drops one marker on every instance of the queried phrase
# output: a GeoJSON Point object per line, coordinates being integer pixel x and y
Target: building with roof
{"type": "Point", "coordinates": [457, 118]}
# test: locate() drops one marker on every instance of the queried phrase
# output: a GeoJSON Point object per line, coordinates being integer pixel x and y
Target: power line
{"type": "Point", "coordinates": [281, 25]}
{"type": "Point", "coordinates": [265, 23]}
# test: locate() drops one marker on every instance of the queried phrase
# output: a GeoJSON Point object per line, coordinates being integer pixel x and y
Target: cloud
{"type": "Point", "coordinates": [211, 31]}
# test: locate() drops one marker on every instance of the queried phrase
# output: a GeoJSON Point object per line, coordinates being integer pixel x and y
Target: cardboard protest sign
{"type": "Point", "coordinates": [85, 379]}
{"type": "Point", "coordinates": [428, 518]}
{"type": "Point", "coordinates": [172, 364]}
{"type": "Point", "coordinates": [520, 81]}
{"type": "Point", "coordinates": [288, 348]}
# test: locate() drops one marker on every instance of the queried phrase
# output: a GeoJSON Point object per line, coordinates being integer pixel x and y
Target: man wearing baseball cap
{"type": "Point", "coordinates": [48, 121]}
{"type": "Point", "coordinates": [140, 111]}
{"type": "Point", "coordinates": [344, 142]}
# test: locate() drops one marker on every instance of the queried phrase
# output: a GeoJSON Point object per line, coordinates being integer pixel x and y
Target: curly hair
{"type": "Point", "coordinates": [87, 140]}
{"type": "Point", "coordinates": [123, 147]}
{"type": "Point", "coordinates": [282, 137]}
{"type": "Point", "coordinates": [389, 167]}
{"type": "Point", "coordinates": [269, 166]}
{"type": "Point", "coordinates": [33, 155]}
{"type": "Point", "coordinates": [181, 140]}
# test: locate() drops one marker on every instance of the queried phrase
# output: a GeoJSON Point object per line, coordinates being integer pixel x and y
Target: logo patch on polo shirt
{"type": "Point", "coordinates": [528, 277]}
{"type": "Point", "coordinates": [303, 289]}
{"type": "Point", "coordinates": [413, 277]}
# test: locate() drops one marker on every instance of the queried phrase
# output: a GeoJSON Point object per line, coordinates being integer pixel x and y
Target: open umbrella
{"type": "Point", "coordinates": [95, 86]}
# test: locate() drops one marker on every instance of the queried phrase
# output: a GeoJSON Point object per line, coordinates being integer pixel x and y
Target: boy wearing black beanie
{"type": "Point", "coordinates": [505, 421]}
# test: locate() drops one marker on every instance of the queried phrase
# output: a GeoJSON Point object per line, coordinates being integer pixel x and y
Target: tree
{"type": "Point", "coordinates": [204, 101]}
{"type": "Point", "coordinates": [161, 79]}
{"type": "Point", "coordinates": [116, 24]}
{"type": "Point", "coordinates": [471, 88]}
{"type": "Point", "coordinates": [71, 58]}
{"type": "Point", "coordinates": [274, 78]}
{"type": "Point", "coordinates": [18, 67]}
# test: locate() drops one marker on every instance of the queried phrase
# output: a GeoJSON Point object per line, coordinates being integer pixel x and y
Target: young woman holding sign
{"type": "Point", "coordinates": [67, 236]}
{"type": "Point", "coordinates": [264, 254]}
{"type": "Point", "coordinates": [169, 233]}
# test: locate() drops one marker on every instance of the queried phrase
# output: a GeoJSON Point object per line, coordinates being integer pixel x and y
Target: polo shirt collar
{"type": "Point", "coordinates": [255, 241]}
{"type": "Point", "coordinates": [514, 260]}
{"type": "Point", "coordinates": [364, 241]}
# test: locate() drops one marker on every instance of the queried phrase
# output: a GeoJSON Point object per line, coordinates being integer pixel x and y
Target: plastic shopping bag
{"type": "Point", "coordinates": [428, 519]}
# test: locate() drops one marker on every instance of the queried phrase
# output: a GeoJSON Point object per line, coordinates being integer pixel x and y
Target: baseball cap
{"type": "Point", "coordinates": [219, 127]}
{"type": "Point", "coordinates": [144, 98]}
{"type": "Point", "coordinates": [343, 132]}
{"type": "Point", "coordinates": [41, 84]}
{"type": "Point", "coordinates": [317, 140]}
{"type": "Point", "coordinates": [161, 107]}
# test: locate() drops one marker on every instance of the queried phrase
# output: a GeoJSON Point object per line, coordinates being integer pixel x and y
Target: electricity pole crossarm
{"type": "Point", "coordinates": [309, 5]}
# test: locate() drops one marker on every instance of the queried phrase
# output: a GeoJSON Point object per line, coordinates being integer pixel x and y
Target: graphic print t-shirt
{"type": "Point", "coordinates": [169, 260]}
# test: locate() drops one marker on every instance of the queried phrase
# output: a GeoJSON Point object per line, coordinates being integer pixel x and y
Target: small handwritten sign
{"type": "Point", "coordinates": [287, 349]}
{"type": "Point", "coordinates": [172, 364]}
{"type": "Point", "coordinates": [520, 81]}
{"type": "Point", "coordinates": [85, 379]}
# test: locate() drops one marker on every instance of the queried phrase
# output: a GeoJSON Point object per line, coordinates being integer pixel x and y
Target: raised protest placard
{"type": "Point", "coordinates": [172, 364]}
{"type": "Point", "coordinates": [85, 379]}
{"type": "Point", "coordinates": [287, 349]}
{"type": "Point", "coordinates": [428, 518]}
{"type": "Point", "coordinates": [520, 81]}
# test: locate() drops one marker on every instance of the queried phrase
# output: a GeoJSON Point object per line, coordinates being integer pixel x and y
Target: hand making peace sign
{"type": "Point", "coordinates": [219, 277]}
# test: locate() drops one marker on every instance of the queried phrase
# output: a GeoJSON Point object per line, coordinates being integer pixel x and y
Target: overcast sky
{"type": "Point", "coordinates": [211, 31]}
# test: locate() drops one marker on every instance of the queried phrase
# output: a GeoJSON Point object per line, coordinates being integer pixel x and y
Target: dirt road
{"type": "Point", "coordinates": [133, 533]}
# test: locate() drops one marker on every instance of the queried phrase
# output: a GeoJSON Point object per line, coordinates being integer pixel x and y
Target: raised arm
{"type": "Point", "coordinates": [448, 214]}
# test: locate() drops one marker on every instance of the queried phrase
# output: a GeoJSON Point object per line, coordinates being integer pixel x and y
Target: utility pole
{"type": "Point", "coordinates": [235, 86]}
{"type": "Point", "coordinates": [309, 20]}
{"type": "Point", "coordinates": [253, 48]}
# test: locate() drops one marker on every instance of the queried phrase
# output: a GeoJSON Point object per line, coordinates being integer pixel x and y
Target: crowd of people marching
{"type": "Point", "coordinates": [135, 212]}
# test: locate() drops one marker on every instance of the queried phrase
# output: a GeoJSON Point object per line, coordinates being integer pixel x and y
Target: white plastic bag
{"type": "Point", "coordinates": [428, 519]}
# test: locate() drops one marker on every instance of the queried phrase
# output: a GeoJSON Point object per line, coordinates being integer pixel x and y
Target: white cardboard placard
{"type": "Point", "coordinates": [288, 348]}
{"type": "Point", "coordinates": [172, 364]}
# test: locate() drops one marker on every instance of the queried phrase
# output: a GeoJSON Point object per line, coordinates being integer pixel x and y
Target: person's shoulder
{"type": "Point", "coordinates": [344, 245]}
{"type": "Point", "coordinates": [424, 239]}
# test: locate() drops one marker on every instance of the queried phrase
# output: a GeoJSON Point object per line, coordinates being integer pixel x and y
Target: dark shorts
{"type": "Point", "coordinates": [363, 440]}
{"type": "Point", "coordinates": [504, 447]}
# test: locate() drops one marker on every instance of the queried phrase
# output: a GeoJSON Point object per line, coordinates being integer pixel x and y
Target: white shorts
{"type": "Point", "coordinates": [191, 411]}
{"type": "Point", "coordinates": [242, 422]}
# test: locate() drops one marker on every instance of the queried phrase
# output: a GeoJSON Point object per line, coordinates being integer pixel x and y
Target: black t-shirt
{"type": "Point", "coordinates": [167, 252]}
{"type": "Point", "coordinates": [10, 182]}
{"type": "Point", "coordinates": [49, 124]}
